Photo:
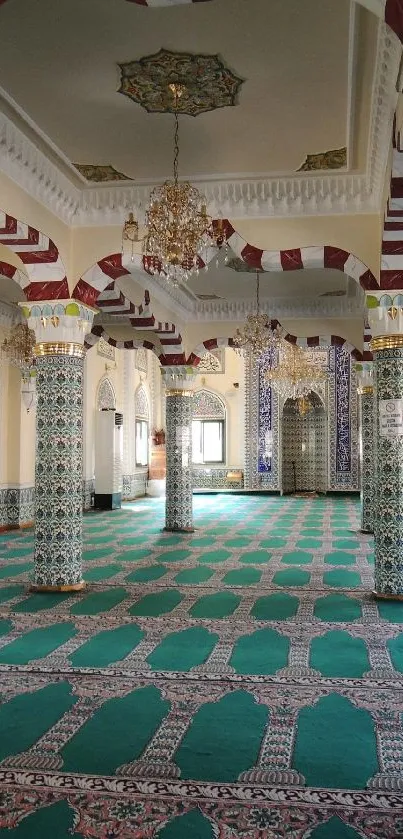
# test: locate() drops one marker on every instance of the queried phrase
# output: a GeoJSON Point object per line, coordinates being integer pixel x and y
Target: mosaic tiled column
{"type": "Point", "coordinates": [366, 412]}
{"type": "Point", "coordinates": [179, 507]}
{"type": "Point", "coordinates": [60, 328]}
{"type": "Point", "coordinates": [386, 322]}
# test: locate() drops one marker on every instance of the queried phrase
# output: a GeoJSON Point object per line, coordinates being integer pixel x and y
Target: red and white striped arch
{"type": "Point", "coordinates": [296, 259]}
{"type": "Point", "coordinates": [45, 277]}
{"type": "Point", "coordinates": [311, 342]}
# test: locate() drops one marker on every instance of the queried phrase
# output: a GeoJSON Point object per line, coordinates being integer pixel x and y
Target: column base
{"type": "Point", "coordinates": [179, 529]}
{"type": "Point", "coordinates": [75, 587]}
{"type": "Point", "coordinates": [378, 596]}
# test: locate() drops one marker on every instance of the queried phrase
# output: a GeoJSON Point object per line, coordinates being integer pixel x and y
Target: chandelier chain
{"type": "Point", "coordinates": [176, 147]}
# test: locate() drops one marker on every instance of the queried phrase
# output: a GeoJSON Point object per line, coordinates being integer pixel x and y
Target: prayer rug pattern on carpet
{"type": "Point", "coordinates": [237, 681]}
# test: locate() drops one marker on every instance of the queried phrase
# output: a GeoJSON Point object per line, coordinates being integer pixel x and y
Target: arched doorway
{"type": "Point", "coordinates": [304, 445]}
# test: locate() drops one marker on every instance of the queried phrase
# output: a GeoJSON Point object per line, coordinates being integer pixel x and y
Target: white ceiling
{"type": "Point", "coordinates": [59, 63]}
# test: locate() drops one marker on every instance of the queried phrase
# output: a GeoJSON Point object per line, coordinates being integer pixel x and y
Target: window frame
{"type": "Point", "coordinates": [204, 422]}
{"type": "Point", "coordinates": [142, 422]}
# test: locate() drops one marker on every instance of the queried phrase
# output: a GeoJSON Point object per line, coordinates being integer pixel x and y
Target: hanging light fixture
{"type": "Point", "coordinates": [178, 228]}
{"type": "Point", "coordinates": [294, 377]}
{"type": "Point", "coordinates": [18, 347]}
{"type": "Point", "coordinates": [304, 406]}
{"type": "Point", "coordinates": [256, 335]}
{"type": "Point", "coordinates": [17, 350]}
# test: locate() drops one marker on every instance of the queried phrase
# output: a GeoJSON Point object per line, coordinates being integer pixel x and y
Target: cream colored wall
{"type": "Point", "coordinates": [96, 367]}
{"type": "Point", "coordinates": [17, 435]}
{"type": "Point", "coordinates": [234, 398]}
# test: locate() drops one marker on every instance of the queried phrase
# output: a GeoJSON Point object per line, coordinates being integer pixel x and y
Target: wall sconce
{"type": "Point", "coordinates": [235, 385]}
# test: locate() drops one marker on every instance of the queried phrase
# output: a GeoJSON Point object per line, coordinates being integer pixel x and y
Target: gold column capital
{"type": "Point", "coordinates": [386, 342]}
{"type": "Point", "coordinates": [59, 348]}
{"type": "Point", "coordinates": [176, 391]}
{"type": "Point", "coordinates": [365, 389]}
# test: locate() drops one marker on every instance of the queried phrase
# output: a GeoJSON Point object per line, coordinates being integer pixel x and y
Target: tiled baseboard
{"type": "Point", "coordinates": [16, 507]}
{"type": "Point", "coordinates": [134, 486]}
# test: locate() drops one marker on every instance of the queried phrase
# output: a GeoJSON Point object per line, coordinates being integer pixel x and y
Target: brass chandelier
{"type": "Point", "coordinates": [177, 225]}
{"type": "Point", "coordinates": [256, 336]}
{"type": "Point", "coordinates": [294, 377]}
{"type": "Point", "coordinates": [18, 347]}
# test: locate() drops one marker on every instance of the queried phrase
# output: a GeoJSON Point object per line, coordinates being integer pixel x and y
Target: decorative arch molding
{"type": "Point", "coordinates": [207, 404]}
{"type": "Point", "coordinates": [45, 277]}
{"type": "Point", "coordinates": [141, 403]}
{"type": "Point", "coordinates": [106, 396]}
{"type": "Point", "coordinates": [97, 287]}
{"type": "Point", "coordinates": [311, 342]}
{"type": "Point", "coordinates": [296, 259]}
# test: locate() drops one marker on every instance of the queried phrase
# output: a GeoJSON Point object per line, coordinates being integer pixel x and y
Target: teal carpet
{"type": "Point", "coordinates": [235, 682]}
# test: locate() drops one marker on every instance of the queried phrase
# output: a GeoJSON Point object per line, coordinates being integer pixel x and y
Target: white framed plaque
{"type": "Point", "coordinates": [391, 418]}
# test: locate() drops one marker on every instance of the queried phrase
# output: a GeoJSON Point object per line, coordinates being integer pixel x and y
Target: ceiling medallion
{"type": "Point", "coordinates": [333, 159]}
{"type": "Point", "coordinates": [208, 83]}
{"type": "Point", "coordinates": [100, 174]}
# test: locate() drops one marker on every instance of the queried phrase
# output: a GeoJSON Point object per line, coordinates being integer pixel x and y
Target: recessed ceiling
{"type": "Point", "coordinates": [311, 283]}
{"type": "Point", "coordinates": [59, 62]}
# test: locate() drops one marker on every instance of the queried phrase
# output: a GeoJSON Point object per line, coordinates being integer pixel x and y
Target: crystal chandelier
{"type": "Point", "coordinates": [177, 225]}
{"type": "Point", "coordinates": [18, 347]}
{"type": "Point", "coordinates": [304, 406]}
{"type": "Point", "coordinates": [256, 335]}
{"type": "Point", "coordinates": [294, 377]}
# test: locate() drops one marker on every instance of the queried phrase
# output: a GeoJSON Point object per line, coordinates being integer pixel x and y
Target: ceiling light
{"type": "Point", "coordinates": [256, 335]}
{"type": "Point", "coordinates": [179, 232]}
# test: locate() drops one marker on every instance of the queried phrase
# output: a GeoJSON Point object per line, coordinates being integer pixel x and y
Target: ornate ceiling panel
{"type": "Point", "coordinates": [207, 83]}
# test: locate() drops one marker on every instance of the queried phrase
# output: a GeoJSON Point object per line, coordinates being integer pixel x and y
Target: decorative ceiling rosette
{"type": "Point", "coordinates": [100, 174]}
{"type": "Point", "coordinates": [208, 83]}
{"type": "Point", "coordinates": [323, 161]}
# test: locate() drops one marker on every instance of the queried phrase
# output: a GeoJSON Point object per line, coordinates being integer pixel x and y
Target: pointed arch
{"type": "Point", "coordinates": [106, 396]}
{"type": "Point", "coordinates": [141, 403]}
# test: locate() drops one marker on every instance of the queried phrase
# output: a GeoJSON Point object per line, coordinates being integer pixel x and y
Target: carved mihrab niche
{"type": "Point", "coordinates": [333, 159]}
{"type": "Point", "coordinates": [208, 83]}
{"type": "Point", "coordinates": [100, 174]}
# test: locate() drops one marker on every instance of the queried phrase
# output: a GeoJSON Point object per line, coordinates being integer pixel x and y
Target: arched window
{"type": "Point", "coordinates": [208, 428]}
{"type": "Point", "coordinates": [142, 412]}
{"type": "Point", "coordinates": [106, 398]}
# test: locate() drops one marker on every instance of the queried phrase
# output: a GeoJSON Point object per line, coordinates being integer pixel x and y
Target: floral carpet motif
{"type": "Point", "coordinates": [238, 681]}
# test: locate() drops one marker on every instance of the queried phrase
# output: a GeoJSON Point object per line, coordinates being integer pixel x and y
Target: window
{"type": "Point", "coordinates": [208, 441]}
{"type": "Point", "coordinates": [141, 442]}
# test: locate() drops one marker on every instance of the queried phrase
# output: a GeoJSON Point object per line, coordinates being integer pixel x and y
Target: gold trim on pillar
{"type": "Point", "coordinates": [366, 389]}
{"type": "Point", "coordinates": [178, 392]}
{"type": "Point", "coordinates": [59, 348]}
{"type": "Point", "coordinates": [386, 342]}
{"type": "Point", "coordinates": [74, 587]}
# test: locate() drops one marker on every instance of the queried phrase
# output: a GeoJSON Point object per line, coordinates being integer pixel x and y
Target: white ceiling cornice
{"type": "Point", "coordinates": [35, 164]}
